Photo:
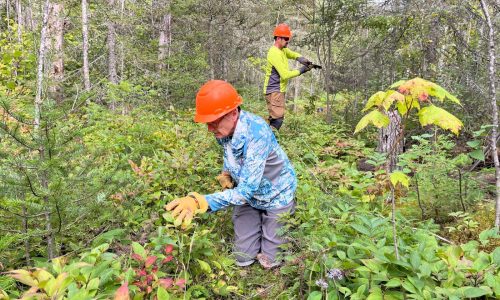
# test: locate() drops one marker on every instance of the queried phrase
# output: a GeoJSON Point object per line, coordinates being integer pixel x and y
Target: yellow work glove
{"type": "Point", "coordinates": [225, 180]}
{"type": "Point", "coordinates": [186, 207]}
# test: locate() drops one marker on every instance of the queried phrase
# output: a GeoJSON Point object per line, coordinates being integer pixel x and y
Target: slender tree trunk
{"type": "Point", "coordinates": [328, 88]}
{"type": "Point", "coordinates": [494, 111]}
{"type": "Point", "coordinates": [393, 217]}
{"type": "Point", "coordinates": [164, 41]}
{"type": "Point", "coordinates": [210, 52]}
{"type": "Point", "coordinates": [39, 133]}
{"type": "Point", "coordinates": [85, 46]}
{"type": "Point", "coordinates": [29, 17]}
{"type": "Point", "coordinates": [19, 15]}
{"type": "Point", "coordinates": [56, 35]}
{"type": "Point", "coordinates": [122, 47]}
{"type": "Point", "coordinates": [112, 75]}
{"type": "Point", "coordinates": [27, 247]}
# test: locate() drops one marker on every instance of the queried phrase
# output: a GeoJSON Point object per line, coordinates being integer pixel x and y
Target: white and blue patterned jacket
{"type": "Point", "coordinates": [263, 175]}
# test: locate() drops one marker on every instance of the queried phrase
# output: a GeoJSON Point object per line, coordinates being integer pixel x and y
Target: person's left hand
{"type": "Point", "coordinates": [225, 180]}
{"type": "Point", "coordinates": [304, 61]}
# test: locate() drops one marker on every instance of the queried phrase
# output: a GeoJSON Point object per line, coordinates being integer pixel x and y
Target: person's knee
{"type": "Point", "coordinates": [276, 123]}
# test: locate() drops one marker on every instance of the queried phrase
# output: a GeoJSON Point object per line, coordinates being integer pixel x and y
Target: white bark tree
{"type": "Point", "coordinates": [112, 75]}
{"type": "Point", "coordinates": [55, 46]}
{"type": "Point", "coordinates": [19, 17]}
{"type": "Point", "coordinates": [85, 46]}
{"type": "Point", "coordinates": [111, 43]}
{"type": "Point", "coordinates": [164, 41]}
{"type": "Point", "coordinates": [494, 107]}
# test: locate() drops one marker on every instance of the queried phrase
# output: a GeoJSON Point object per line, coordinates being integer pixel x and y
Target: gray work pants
{"type": "Point", "coordinates": [255, 231]}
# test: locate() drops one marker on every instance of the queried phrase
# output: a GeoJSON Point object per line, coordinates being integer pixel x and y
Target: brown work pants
{"type": "Point", "coordinates": [276, 104]}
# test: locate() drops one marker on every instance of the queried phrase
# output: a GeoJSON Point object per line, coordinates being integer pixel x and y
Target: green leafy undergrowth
{"type": "Point", "coordinates": [346, 252]}
{"type": "Point", "coordinates": [340, 243]}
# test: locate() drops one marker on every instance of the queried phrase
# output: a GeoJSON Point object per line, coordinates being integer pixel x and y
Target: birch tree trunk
{"type": "Point", "coordinates": [7, 6]}
{"type": "Point", "coordinates": [39, 132]}
{"type": "Point", "coordinates": [19, 15]}
{"type": "Point", "coordinates": [494, 111]}
{"type": "Point", "coordinates": [164, 42]}
{"type": "Point", "coordinates": [56, 36]}
{"type": "Point", "coordinates": [85, 46]}
{"type": "Point", "coordinates": [112, 75]}
{"type": "Point", "coordinates": [30, 22]}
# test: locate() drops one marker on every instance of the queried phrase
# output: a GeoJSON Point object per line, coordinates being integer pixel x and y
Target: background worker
{"type": "Point", "coordinates": [258, 177]}
{"type": "Point", "coordinates": [278, 73]}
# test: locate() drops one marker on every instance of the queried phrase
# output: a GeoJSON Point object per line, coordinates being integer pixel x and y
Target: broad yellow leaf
{"type": "Point", "coordinates": [390, 97]}
{"type": "Point", "coordinates": [42, 276]}
{"type": "Point", "coordinates": [375, 117]}
{"type": "Point", "coordinates": [375, 100]}
{"type": "Point", "coordinates": [407, 104]}
{"type": "Point", "coordinates": [23, 276]}
{"type": "Point", "coordinates": [440, 117]}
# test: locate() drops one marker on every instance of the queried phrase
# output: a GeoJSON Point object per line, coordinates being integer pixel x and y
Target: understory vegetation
{"type": "Point", "coordinates": [341, 243]}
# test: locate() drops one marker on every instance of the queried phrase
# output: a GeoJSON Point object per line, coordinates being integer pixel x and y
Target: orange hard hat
{"type": "Point", "coordinates": [282, 30]}
{"type": "Point", "coordinates": [215, 99]}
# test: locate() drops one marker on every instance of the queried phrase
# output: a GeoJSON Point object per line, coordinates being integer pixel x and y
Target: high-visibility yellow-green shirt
{"type": "Point", "coordinates": [277, 71]}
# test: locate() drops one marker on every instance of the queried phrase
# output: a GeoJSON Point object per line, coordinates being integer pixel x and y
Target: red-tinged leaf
{"type": "Point", "coordinates": [423, 97]}
{"type": "Point", "coordinates": [403, 90]}
{"type": "Point", "coordinates": [136, 257]}
{"type": "Point", "coordinates": [166, 282]}
{"type": "Point", "coordinates": [149, 279]}
{"type": "Point", "coordinates": [140, 272]}
{"type": "Point", "coordinates": [154, 269]}
{"type": "Point", "coordinates": [150, 261]}
{"type": "Point", "coordinates": [149, 290]}
{"type": "Point", "coordinates": [169, 248]}
{"type": "Point", "coordinates": [167, 259]}
{"type": "Point", "coordinates": [181, 283]}
{"type": "Point", "coordinates": [122, 292]}
{"type": "Point", "coordinates": [140, 284]}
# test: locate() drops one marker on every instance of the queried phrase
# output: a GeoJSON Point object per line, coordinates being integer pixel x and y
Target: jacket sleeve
{"type": "Point", "coordinates": [291, 54]}
{"type": "Point", "coordinates": [249, 179]}
{"type": "Point", "coordinates": [281, 66]}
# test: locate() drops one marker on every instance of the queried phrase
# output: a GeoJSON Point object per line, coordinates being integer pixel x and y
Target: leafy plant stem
{"type": "Point", "coordinates": [394, 232]}
{"type": "Point", "coordinates": [418, 196]}
{"type": "Point", "coordinates": [460, 189]}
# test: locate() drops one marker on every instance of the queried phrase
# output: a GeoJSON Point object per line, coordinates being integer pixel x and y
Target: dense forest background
{"type": "Point", "coordinates": [96, 135]}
